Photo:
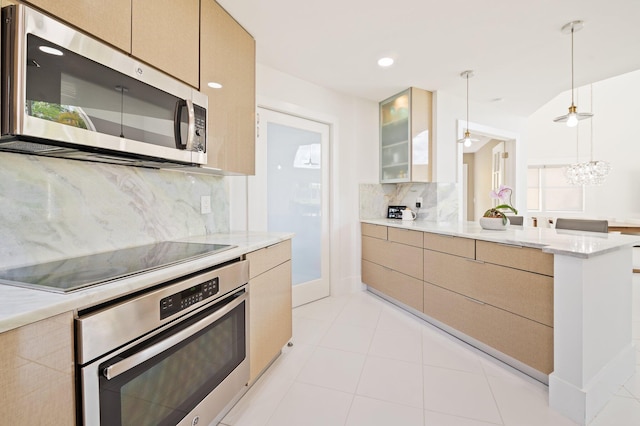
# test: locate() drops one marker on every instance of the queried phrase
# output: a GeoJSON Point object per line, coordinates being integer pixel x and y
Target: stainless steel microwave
{"type": "Point", "coordinates": [65, 94]}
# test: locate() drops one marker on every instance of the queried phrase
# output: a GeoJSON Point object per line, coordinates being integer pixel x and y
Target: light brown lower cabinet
{"type": "Point", "coordinates": [524, 293]}
{"type": "Point", "coordinates": [401, 287]}
{"type": "Point", "coordinates": [37, 384]}
{"type": "Point", "coordinates": [399, 257]}
{"type": "Point", "coordinates": [523, 339]}
{"type": "Point", "coordinates": [270, 310]}
{"type": "Point", "coordinates": [496, 294]}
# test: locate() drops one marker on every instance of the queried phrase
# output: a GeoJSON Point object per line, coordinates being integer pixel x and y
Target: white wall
{"type": "Point", "coordinates": [615, 139]}
{"type": "Point", "coordinates": [354, 160]}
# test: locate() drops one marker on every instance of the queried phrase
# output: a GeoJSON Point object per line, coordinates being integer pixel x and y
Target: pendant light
{"type": "Point", "coordinates": [466, 140]}
{"type": "Point", "coordinates": [573, 116]}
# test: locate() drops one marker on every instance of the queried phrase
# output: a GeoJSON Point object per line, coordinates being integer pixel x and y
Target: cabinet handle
{"type": "Point", "coordinates": [510, 245]}
{"type": "Point", "coordinates": [481, 262]}
{"type": "Point", "coordinates": [473, 300]}
{"type": "Point", "coordinates": [446, 236]}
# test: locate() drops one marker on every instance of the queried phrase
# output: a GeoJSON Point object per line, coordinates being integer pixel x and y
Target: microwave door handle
{"type": "Point", "coordinates": [191, 124]}
{"type": "Point", "coordinates": [138, 358]}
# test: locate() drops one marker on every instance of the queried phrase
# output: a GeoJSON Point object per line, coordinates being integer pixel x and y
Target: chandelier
{"type": "Point", "coordinates": [589, 172]}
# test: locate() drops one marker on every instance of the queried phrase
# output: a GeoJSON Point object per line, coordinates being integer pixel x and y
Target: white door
{"type": "Point", "coordinates": [290, 193]}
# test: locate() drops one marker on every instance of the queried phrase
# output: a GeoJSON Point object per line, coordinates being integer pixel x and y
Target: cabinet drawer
{"type": "Point", "coordinates": [270, 316]}
{"type": "Point", "coordinates": [405, 236]}
{"type": "Point", "coordinates": [399, 257]}
{"type": "Point", "coordinates": [375, 231]}
{"type": "Point", "coordinates": [525, 340]}
{"type": "Point", "coordinates": [458, 246]}
{"type": "Point", "coordinates": [523, 293]}
{"type": "Point", "coordinates": [525, 258]}
{"type": "Point", "coordinates": [401, 287]}
{"type": "Point", "coordinates": [269, 257]}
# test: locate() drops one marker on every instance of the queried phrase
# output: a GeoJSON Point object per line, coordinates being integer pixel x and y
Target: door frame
{"type": "Point", "coordinates": [514, 162]}
{"type": "Point", "coordinates": [332, 123]}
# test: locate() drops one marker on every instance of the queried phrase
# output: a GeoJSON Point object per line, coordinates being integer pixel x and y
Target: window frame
{"type": "Point", "coordinates": [542, 188]}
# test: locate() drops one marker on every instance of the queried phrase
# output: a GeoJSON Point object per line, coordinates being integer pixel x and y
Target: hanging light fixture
{"type": "Point", "coordinates": [466, 140]}
{"type": "Point", "coordinates": [592, 172]}
{"type": "Point", "coordinates": [573, 116]}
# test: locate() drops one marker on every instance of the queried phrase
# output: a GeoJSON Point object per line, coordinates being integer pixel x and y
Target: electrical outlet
{"type": "Point", "coordinates": [205, 204]}
{"type": "Point", "coordinates": [418, 202]}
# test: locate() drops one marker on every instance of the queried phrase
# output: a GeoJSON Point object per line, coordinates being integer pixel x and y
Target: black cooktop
{"type": "Point", "coordinates": [63, 276]}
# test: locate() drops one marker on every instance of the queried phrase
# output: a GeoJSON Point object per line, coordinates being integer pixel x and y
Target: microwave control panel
{"type": "Point", "coordinates": [200, 115]}
{"type": "Point", "coordinates": [182, 300]}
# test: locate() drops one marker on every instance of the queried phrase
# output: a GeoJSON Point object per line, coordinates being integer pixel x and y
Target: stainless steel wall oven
{"type": "Point", "coordinates": [174, 355]}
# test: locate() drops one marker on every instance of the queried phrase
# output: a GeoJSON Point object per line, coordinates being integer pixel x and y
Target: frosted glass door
{"type": "Point", "coordinates": [295, 181]}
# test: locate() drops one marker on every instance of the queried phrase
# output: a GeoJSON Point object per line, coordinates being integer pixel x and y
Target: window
{"type": "Point", "coordinates": [549, 191]}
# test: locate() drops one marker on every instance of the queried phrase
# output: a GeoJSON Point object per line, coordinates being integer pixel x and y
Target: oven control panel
{"type": "Point", "coordinates": [182, 300]}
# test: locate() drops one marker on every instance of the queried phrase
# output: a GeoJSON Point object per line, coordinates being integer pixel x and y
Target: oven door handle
{"type": "Point", "coordinates": [138, 358]}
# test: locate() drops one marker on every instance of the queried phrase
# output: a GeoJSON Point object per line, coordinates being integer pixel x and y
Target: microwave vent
{"type": "Point", "coordinates": [26, 146]}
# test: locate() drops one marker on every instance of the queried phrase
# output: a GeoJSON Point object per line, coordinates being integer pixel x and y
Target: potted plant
{"type": "Point", "coordinates": [494, 218]}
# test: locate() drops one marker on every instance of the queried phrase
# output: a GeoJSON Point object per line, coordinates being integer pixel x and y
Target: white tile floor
{"type": "Point", "coordinates": [360, 361]}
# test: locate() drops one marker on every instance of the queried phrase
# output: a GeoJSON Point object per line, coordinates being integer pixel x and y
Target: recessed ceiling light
{"type": "Point", "coordinates": [385, 62]}
{"type": "Point", "coordinates": [50, 50]}
{"type": "Point", "coordinates": [214, 85]}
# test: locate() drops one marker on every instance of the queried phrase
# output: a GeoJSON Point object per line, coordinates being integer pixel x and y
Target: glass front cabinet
{"type": "Point", "coordinates": [405, 137]}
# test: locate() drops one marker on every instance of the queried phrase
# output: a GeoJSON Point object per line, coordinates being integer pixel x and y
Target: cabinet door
{"type": "Point", "coordinates": [267, 258]}
{"type": "Point", "coordinates": [270, 316]}
{"type": "Point", "coordinates": [395, 131]}
{"type": "Point", "coordinates": [399, 257]}
{"type": "Point", "coordinates": [165, 34]}
{"type": "Point", "coordinates": [227, 57]}
{"type": "Point", "coordinates": [523, 293]}
{"type": "Point", "coordinates": [36, 373]}
{"type": "Point", "coordinates": [525, 340]}
{"type": "Point", "coordinates": [401, 287]}
{"type": "Point", "coordinates": [107, 20]}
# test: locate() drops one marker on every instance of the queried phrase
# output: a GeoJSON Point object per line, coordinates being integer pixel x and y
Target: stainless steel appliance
{"type": "Point", "coordinates": [175, 355]}
{"type": "Point", "coordinates": [67, 275]}
{"type": "Point", "coordinates": [66, 94]}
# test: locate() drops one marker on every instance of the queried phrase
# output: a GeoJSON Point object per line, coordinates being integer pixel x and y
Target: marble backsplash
{"type": "Point", "coordinates": [439, 200]}
{"type": "Point", "coordinates": [55, 208]}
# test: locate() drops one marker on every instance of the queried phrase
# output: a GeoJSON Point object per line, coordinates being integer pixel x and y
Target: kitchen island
{"type": "Point", "coordinates": [554, 303]}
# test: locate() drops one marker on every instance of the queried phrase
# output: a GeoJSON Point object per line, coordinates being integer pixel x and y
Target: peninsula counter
{"type": "Point", "coordinates": [556, 303]}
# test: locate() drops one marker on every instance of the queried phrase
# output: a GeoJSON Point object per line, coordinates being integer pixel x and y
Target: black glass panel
{"type": "Point", "coordinates": [79, 272]}
{"type": "Point", "coordinates": [68, 88]}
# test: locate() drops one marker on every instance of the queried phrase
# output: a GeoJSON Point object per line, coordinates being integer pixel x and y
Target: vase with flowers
{"type": "Point", "coordinates": [495, 218]}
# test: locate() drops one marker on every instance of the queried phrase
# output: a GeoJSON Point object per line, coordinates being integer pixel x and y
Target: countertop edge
{"type": "Point", "coordinates": [23, 306]}
{"type": "Point", "coordinates": [578, 244]}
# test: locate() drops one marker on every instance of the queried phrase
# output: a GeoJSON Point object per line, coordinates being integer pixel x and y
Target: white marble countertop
{"type": "Point", "coordinates": [557, 241]}
{"type": "Point", "coordinates": [21, 306]}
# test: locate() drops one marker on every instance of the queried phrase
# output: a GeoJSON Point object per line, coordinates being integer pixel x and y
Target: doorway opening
{"type": "Point", "coordinates": [485, 165]}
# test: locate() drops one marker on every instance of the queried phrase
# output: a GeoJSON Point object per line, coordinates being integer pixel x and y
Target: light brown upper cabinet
{"type": "Point", "coordinates": [165, 34]}
{"type": "Point", "coordinates": [405, 137]}
{"type": "Point", "coordinates": [107, 20]}
{"type": "Point", "coordinates": [227, 57]}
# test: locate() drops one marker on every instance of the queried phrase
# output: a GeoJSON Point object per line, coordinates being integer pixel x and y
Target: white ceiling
{"type": "Point", "coordinates": [515, 47]}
